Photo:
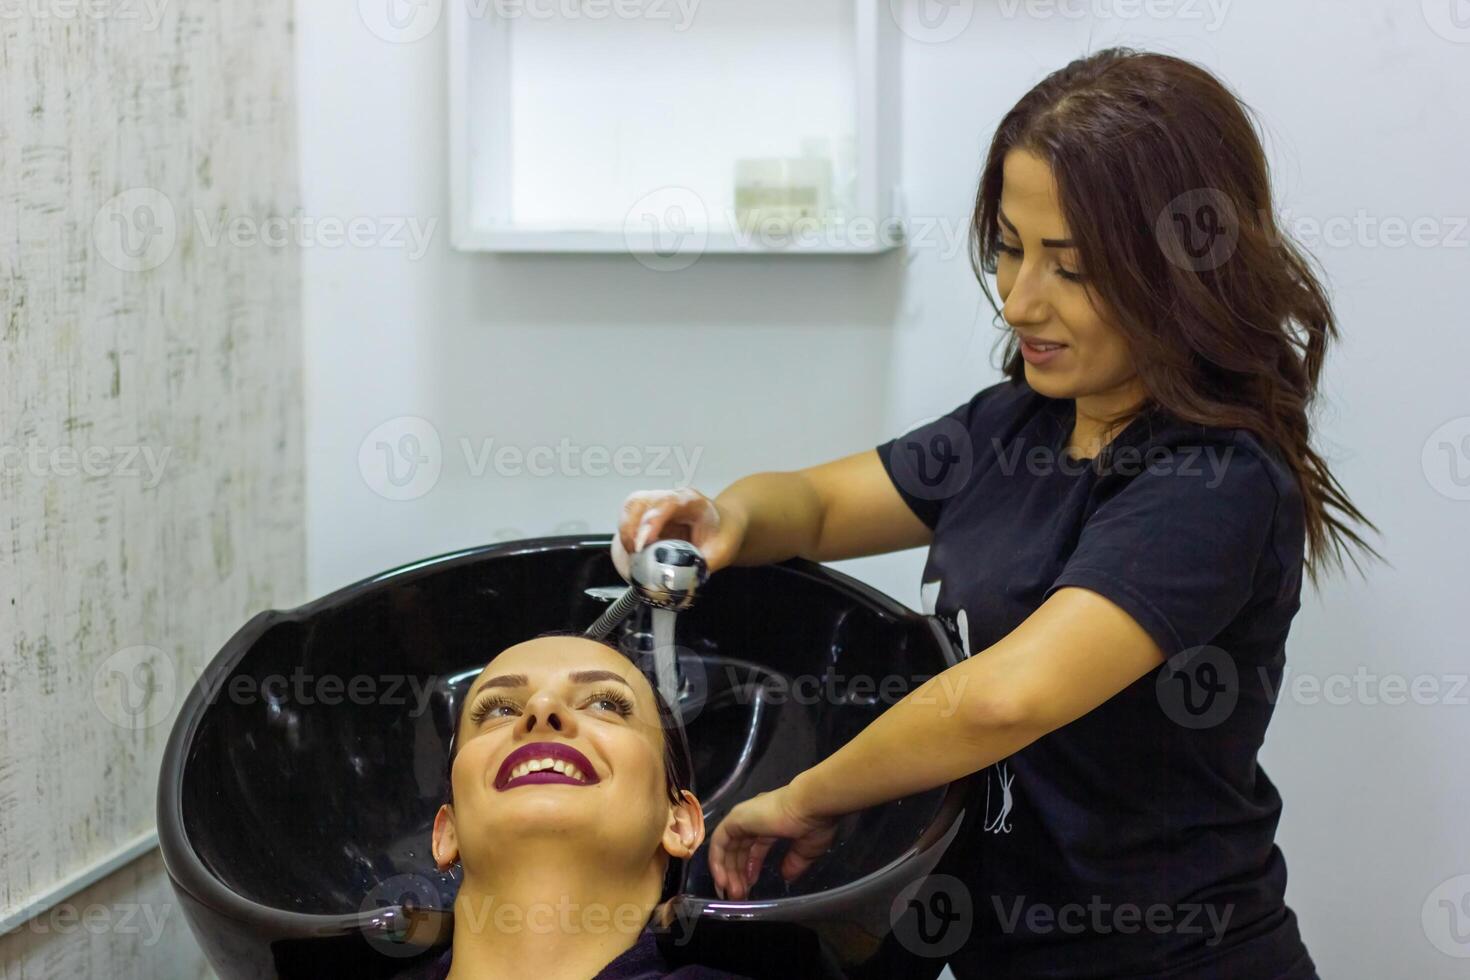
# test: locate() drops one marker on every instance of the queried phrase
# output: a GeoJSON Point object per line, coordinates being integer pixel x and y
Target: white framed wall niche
{"type": "Point", "coordinates": [667, 128]}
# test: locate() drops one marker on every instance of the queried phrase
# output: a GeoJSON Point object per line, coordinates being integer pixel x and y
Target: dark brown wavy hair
{"type": "Point", "coordinates": [1166, 192]}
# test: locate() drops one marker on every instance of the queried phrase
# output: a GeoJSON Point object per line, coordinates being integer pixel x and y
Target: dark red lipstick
{"type": "Point", "coordinates": [545, 762]}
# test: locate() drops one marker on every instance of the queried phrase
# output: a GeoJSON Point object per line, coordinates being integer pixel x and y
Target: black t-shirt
{"type": "Point", "coordinates": [1137, 840]}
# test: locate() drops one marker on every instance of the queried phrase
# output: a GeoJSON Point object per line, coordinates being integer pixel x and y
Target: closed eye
{"type": "Point", "coordinates": [1016, 252]}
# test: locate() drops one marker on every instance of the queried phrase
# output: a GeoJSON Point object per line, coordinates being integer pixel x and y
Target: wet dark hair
{"type": "Point", "coordinates": [1139, 142]}
{"type": "Point", "coordinates": [678, 759]}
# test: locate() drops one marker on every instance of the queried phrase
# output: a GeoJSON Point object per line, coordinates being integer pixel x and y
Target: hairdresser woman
{"type": "Point", "coordinates": [1117, 533]}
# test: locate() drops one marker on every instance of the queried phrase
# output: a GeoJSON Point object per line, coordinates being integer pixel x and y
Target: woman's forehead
{"type": "Point", "coordinates": [1030, 197]}
{"type": "Point", "coordinates": [549, 659]}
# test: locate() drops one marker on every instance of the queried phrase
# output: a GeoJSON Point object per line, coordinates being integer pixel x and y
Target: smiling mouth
{"type": "Point", "coordinates": [545, 762]}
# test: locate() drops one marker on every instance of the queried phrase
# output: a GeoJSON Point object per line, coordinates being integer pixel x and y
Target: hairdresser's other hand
{"type": "Point", "coordinates": [687, 514]}
{"type": "Point", "coordinates": [744, 838]}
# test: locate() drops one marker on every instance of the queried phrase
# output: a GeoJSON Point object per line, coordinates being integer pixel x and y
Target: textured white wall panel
{"type": "Point", "coordinates": [150, 418]}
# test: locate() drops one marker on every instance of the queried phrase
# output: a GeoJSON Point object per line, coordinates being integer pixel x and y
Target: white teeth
{"type": "Point", "coordinates": [547, 765]}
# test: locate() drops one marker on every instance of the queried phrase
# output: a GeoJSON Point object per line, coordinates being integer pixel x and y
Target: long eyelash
{"type": "Point", "coordinates": [623, 702]}
{"type": "Point", "coordinates": [482, 707]}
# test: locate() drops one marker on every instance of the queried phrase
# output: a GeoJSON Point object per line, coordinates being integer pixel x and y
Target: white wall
{"type": "Point", "coordinates": [793, 361]}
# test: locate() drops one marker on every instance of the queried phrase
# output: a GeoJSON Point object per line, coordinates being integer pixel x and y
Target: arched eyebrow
{"type": "Point", "coordinates": [1045, 242]}
{"type": "Point", "coordinates": [502, 680]}
{"type": "Point", "coordinates": [593, 676]}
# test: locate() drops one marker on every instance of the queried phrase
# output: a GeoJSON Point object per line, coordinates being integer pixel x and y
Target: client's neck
{"type": "Point", "coordinates": [547, 913]}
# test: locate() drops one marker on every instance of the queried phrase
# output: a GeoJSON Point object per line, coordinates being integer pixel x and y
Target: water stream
{"type": "Point", "coordinates": [665, 657]}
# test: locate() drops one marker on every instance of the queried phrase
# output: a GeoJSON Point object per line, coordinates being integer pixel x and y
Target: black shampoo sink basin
{"type": "Point", "coordinates": [301, 778]}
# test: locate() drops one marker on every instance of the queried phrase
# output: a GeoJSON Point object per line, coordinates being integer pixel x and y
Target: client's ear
{"type": "Point", "coordinates": [685, 830]}
{"type": "Point", "coordinates": [446, 845]}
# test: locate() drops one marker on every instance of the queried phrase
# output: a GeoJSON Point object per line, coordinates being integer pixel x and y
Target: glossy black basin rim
{"type": "Point", "coordinates": [184, 865]}
{"type": "Point", "coordinates": [193, 876]}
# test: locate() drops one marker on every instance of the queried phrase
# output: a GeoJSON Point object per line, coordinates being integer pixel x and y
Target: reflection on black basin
{"type": "Point", "coordinates": [295, 809]}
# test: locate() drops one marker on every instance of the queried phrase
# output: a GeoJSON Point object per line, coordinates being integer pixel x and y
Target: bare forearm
{"type": "Point", "coordinates": [844, 508]}
{"type": "Point", "coordinates": [933, 736]}
{"type": "Point", "coordinates": [1075, 652]}
{"type": "Point", "coordinates": [783, 516]}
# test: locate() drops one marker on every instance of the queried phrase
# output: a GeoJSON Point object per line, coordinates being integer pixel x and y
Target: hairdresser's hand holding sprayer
{"type": "Point", "coordinates": [718, 530]}
{"type": "Point", "coordinates": [845, 508]}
